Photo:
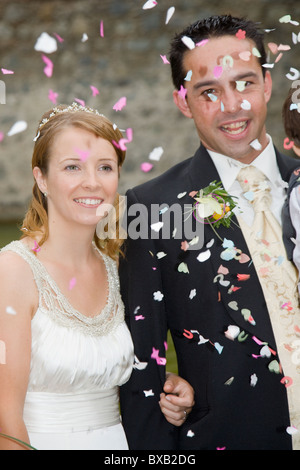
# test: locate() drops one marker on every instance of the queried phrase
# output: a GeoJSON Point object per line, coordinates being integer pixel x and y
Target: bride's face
{"type": "Point", "coordinates": [82, 177]}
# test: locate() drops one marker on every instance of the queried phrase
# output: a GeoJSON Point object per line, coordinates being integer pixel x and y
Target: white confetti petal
{"type": "Point", "coordinates": [157, 226]}
{"type": "Point", "coordinates": [149, 4]}
{"type": "Point", "coordinates": [205, 255]}
{"type": "Point", "coordinates": [156, 153]}
{"type": "Point", "coordinates": [46, 44]}
{"type": "Point", "coordinates": [10, 311]}
{"type": "Point", "coordinates": [18, 127]}
{"type": "Point", "coordinates": [170, 13]}
{"type": "Point", "coordinates": [188, 42]}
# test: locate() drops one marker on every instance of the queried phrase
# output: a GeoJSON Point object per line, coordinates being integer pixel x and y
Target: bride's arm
{"type": "Point", "coordinates": [177, 400]}
{"type": "Point", "coordinates": [16, 285]}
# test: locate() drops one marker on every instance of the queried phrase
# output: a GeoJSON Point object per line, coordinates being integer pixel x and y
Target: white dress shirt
{"type": "Point", "coordinates": [228, 169]}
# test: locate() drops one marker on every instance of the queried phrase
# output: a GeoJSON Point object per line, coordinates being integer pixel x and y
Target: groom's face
{"type": "Point", "coordinates": [227, 96]}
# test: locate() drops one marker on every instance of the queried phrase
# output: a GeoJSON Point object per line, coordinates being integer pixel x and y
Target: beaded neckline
{"type": "Point", "coordinates": [53, 302]}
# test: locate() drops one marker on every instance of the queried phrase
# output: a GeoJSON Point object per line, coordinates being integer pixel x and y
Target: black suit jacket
{"type": "Point", "coordinates": [229, 412]}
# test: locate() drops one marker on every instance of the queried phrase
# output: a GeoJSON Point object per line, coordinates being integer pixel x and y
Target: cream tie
{"type": "Point", "coordinates": [278, 279]}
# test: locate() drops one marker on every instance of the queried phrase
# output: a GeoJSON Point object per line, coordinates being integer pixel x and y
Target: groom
{"type": "Point", "coordinates": [210, 298]}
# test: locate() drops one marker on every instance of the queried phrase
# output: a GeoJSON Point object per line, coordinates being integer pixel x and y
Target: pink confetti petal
{"type": "Point", "coordinates": [53, 96]}
{"type": "Point", "coordinates": [101, 29]}
{"type": "Point", "coordinates": [202, 43]}
{"type": "Point", "coordinates": [48, 70]}
{"type": "Point", "coordinates": [122, 142]}
{"type": "Point", "coordinates": [146, 167]}
{"type": "Point", "coordinates": [182, 92]}
{"type": "Point", "coordinates": [287, 144]}
{"type": "Point", "coordinates": [120, 104]}
{"type": "Point", "coordinates": [1, 136]}
{"type": "Point", "coordinates": [81, 102]}
{"type": "Point", "coordinates": [218, 70]}
{"type": "Point", "coordinates": [36, 247]}
{"type": "Point", "coordinates": [59, 38]}
{"type": "Point", "coordinates": [7, 72]}
{"type": "Point", "coordinates": [72, 283]}
{"type": "Point", "coordinates": [95, 90]}
{"type": "Point", "coordinates": [241, 34]}
{"type": "Point", "coordinates": [164, 59]}
{"type": "Point", "coordinates": [83, 154]}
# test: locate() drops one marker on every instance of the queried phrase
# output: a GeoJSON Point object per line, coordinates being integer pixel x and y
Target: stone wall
{"type": "Point", "coordinates": [124, 62]}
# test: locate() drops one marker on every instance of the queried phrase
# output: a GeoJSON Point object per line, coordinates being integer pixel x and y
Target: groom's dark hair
{"type": "Point", "coordinates": [213, 27]}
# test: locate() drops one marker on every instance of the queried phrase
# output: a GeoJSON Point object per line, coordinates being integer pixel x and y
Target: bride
{"type": "Point", "coordinates": [64, 346]}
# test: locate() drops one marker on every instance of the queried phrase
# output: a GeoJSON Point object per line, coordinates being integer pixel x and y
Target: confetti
{"type": "Point", "coordinates": [59, 38]}
{"type": "Point", "coordinates": [7, 72]}
{"type": "Point", "coordinates": [36, 247]}
{"type": "Point", "coordinates": [240, 85]}
{"type": "Point", "coordinates": [72, 283]}
{"type": "Point", "coordinates": [188, 42]}
{"type": "Point", "coordinates": [158, 296]}
{"type": "Point", "coordinates": [285, 19]}
{"type": "Point", "coordinates": [253, 380]}
{"type": "Point", "coordinates": [149, 4]}
{"type": "Point", "coordinates": [202, 43]}
{"type": "Point", "coordinates": [287, 381]}
{"type": "Point", "coordinates": [218, 70]}
{"type": "Point", "coordinates": [241, 34]}
{"type": "Point", "coordinates": [84, 37]}
{"type": "Point", "coordinates": [246, 105]}
{"type": "Point", "coordinates": [95, 90]}
{"type": "Point", "coordinates": [182, 92]}
{"type": "Point", "coordinates": [161, 361]}
{"type": "Point", "coordinates": [232, 332]}
{"type": "Point", "coordinates": [183, 268]}
{"type": "Point", "coordinates": [204, 256]}
{"type": "Point", "coordinates": [157, 226]}
{"type": "Point", "coordinates": [245, 55]}
{"type": "Point", "coordinates": [48, 70]}
{"type": "Point", "coordinates": [139, 365]}
{"type": "Point", "coordinates": [287, 144]}
{"type": "Point", "coordinates": [170, 13]}
{"type": "Point", "coordinates": [156, 153]}
{"type": "Point", "coordinates": [53, 96]}
{"type": "Point", "coordinates": [101, 29]}
{"type": "Point", "coordinates": [1, 136]}
{"type": "Point", "coordinates": [227, 61]}
{"type": "Point", "coordinates": [164, 59]}
{"type": "Point", "coordinates": [46, 43]}
{"type": "Point", "coordinates": [18, 127]}
{"type": "Point", "coordinates": [124, 140]}
{"type": "Point", "coordinates": [229, 381]}
{"type": "Point", "coordinates": [274, 366]}
{"type": "Point", "coordinates": [146, 167]}
{"type": "Point", "coordinates": [2, 352]}
{"type": "Point", "coordinates": [148, 393]}
{"type": "Point", "coordinates": [192, 294]}
{"type": "Point", "coordinates": [119, 105]}
{"type": "Point", "coordinates": [189, 76]}
{"type": "Point", "coordinates": [293, 74]}
{"type": "Point", "coordinates": [291, 430]}
{"type": "Point", "coordinates": [256, 144]}
{"type": "Point", "coordinates": [10, 311]}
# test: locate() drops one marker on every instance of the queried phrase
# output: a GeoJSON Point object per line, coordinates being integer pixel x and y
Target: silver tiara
{"type": "Point", "coordinates": [69, 109]}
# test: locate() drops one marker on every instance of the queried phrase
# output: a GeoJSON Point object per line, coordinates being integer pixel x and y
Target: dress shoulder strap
{"type": "Point", "coordinates": [20, 249]}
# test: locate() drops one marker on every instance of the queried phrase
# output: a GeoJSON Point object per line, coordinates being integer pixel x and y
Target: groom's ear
{"type": "Point", "coordinates": [182, 104]}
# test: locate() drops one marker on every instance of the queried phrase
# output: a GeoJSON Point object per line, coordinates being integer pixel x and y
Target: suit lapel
{"type": "Point", "coordinates": [242, 297]}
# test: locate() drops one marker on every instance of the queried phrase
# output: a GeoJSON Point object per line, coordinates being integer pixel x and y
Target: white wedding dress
{"type": "Point", "coordinates": [77, 364]}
